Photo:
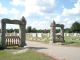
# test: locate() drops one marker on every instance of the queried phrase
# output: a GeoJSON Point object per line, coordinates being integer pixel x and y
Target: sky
{"type": "Point", "coordinates": [40, 13]}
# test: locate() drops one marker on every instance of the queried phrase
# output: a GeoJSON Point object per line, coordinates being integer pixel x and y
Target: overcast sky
{"type": "Point", "coordinates": [40, 13]}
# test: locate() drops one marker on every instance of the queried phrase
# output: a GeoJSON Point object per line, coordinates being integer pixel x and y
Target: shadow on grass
{"type": "Point", "coordinates": [21, 48]}
{"type": "Point", "coordinates": [1, 48]}
{"type": "Point", "coordinates": [37, 48]}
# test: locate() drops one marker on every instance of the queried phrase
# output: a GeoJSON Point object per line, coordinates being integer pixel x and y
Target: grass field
{"type": "Point", "coordinates": [72, 40]}
{"type": "Point", "coordinates": [29, 55]}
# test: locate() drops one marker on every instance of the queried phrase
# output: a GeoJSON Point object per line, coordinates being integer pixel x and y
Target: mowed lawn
{"type": "Point", "coordinates": [72, 40]}
{"type": "Point", "coordinates": [29, 55]}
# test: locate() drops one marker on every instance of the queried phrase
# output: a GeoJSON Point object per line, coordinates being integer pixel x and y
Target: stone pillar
{"type": "Point", "coordinates": [62, 33]}
{"type": "Point", "coordinates": [23, 32]}
{"type": "Point", "coordinates": [53, 31]}
{"type": "Point", "coordinates": [3, 38]}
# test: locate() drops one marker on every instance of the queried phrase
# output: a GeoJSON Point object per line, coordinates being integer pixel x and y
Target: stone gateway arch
{"type": "Point", "coordinates": [53, 32]}
{"type": "Point", "coordinates": [22, 32]}
{"type": "Point", "coordinates": [22, 25]}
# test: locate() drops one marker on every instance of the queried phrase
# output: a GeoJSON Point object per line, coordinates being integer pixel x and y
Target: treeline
{"type": "Point", "coordinates": [34, 30]}
{"type": "Point", "coordinates": [75, 28]}
{"type": "Point", "coordinates": [30, 30]}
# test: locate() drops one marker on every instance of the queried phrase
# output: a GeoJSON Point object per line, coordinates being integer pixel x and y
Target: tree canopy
{"type": "Point", "coordinates": [75, 27]}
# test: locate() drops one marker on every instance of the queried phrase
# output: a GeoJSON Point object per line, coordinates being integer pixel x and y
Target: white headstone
{"type": "Point", "coordinates": [75, 34]}
{"type": "Point", "coordinates": [33, 34]}
{"type": "Point", "coordinates": [39, 35]}
{"type": "Point", "coordinates": [67, 34]}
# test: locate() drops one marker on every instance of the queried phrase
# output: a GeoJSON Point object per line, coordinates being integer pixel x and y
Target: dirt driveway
{"type": "Point", "coordinates": [59, 52]}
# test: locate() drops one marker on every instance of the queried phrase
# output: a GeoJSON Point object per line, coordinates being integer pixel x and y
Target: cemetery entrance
{"type": "Point", "coordinates": [57, 37]}
{"type": "Point", "coordinates": [13, 40]}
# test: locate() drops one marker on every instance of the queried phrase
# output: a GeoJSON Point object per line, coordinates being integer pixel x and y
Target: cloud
{"type": "Point", "coordinates": [69, 23]}
{"type": "Point", "coordinates": [30, 7]}
{"type": "Point", "coordinates": [11, 12]}
{"type": "Point", "coordinates": [69, 16]}
{"type": "Point", "coordinates": [3, 10]}
{"type": "Point", "coordinates": [72, 11]}
{"type": "Point", "coordinates": [50, 2]}
{"type": "Point", "coordinates": [45, 24]}
{"type": "Point", "coordinates": [77, 4]}
{"type": "Point", "coordinates": [57, 19]}
{"type": "Point", "coordinates": [35, 6]}
{"type": "Point", "coordinates": [15, 13]}
{"type": "Point", "coordinates": [41, 12]}
{"type": "Point", "coordinates": [47, 6]}
{"type": "Point", "coordinates": [16, 2]}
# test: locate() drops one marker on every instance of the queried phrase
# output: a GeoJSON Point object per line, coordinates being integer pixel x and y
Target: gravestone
{"type": "Point", "coordinates": [34, 34]}
{"type": "Point", "coordinates": [39, 34]}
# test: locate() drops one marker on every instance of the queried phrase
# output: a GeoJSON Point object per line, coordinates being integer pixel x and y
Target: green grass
{"type": "Point", "coordinates": [75, 41]}
{"type": "Point", "coordinates": [29, 55]}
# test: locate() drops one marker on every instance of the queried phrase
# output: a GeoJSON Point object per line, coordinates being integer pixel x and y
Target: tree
{"type": "Point", "coordinates": [16, 30]}
{"type": "Point", "coordinates": [34, 30]}
{"type": "Point", "coordinates": [57, 30]}
{"type": "Point", "coordinates": [10, 30]}
{"type": "Point", "coordinates": [46, 31]}
{"type": "Point", "coordinates": [29, 29]}
{"type": "Point", "coordinates": [67, 30]}
{"type": "Point", "coordinates": [0, 30]}
{"type": "Point", "coordinates": [75, 27]}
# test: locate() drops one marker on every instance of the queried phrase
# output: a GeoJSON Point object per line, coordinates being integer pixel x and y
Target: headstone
{"type": "Point", "coordinates": [67, 34]}
{"type": "Point", "coordinates": [75, 34]}
{"type": "Point", "coordinates": [39, 34]}
{"type": "Point", "coordinates": [34, 35]}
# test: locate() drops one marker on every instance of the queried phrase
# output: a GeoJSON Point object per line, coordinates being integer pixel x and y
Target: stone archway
{"type": "Point", "coordinates": [22, 25]}
{"type": "Point", "coordinates": [53, 31]}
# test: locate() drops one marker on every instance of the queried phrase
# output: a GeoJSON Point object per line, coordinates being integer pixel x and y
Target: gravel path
{"type": "Point", "coordinates": [59, 52]}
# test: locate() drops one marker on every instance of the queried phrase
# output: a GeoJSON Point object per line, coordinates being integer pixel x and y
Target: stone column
{"type": "Point", "coordinates": [3, 38]}
{"type": "Point", "coordinates": [23, 32]}
{"type": "Point", "coordinates": [53, 31]}
{"type": "Point", "coordinates": [62, 33]}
